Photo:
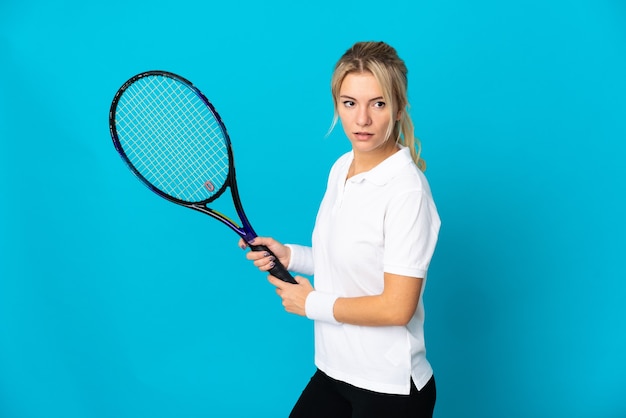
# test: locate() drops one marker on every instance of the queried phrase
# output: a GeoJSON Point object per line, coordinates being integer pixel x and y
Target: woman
{"type": "Point", "coordinates": [373, 240]}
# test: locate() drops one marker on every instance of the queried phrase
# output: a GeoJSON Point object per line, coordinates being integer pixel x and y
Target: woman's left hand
{"type": "Point", "coordinates": [293, 295]}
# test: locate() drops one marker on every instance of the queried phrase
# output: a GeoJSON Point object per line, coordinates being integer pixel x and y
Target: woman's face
{"type": "Point", "coordinates": [364, 113]}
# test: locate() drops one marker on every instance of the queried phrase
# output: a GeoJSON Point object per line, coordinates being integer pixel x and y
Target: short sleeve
{"type": "Point", "coordinates": [411, 232]}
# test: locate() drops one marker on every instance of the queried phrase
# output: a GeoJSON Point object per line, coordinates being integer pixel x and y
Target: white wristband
{"type": "Point", "coordinates": [319, 307]}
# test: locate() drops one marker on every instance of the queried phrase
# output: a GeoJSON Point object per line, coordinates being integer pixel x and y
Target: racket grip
{"type": "Point", "coordinates": [278, 270]}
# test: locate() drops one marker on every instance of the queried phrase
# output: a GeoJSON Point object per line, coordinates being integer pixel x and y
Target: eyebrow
{"type": "Point", "coordinates": [345, 96]}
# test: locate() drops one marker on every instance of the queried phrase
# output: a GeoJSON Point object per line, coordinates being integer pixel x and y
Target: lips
{"type": "Point", "coordinates": [362, 136]}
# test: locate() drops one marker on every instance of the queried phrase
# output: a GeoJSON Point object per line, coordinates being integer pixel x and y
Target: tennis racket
{"type": "Point", "coordinates": [174, 141]}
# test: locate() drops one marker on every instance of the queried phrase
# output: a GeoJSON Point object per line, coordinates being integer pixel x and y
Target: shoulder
{"type": "Point", "coordinates": [341, 164]}
{"type": "Point", "coordinates": [412, 177]}
{"type": "Point", "coordinates": [409, 195]}
{"type": "Point", "coordinates": [408, 178]}
{"type": "Point", "coordinates": [343, 160]}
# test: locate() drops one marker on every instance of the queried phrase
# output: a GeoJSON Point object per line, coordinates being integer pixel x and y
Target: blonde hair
{"type": "Point", "coordinates": [383, 62]}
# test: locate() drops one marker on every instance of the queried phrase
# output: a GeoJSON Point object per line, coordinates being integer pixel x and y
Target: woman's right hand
{"type": "Point", "coordinates": [263, 260]}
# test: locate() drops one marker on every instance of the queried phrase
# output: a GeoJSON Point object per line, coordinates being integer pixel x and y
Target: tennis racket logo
{"type": "Point", "coordinates": [209, 186]}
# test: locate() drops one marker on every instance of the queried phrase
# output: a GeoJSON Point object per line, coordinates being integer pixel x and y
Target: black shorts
{"type": "Point", "coordinates": [325, 397]}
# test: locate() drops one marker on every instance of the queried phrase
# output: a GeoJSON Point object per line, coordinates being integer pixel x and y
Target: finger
{"type": "Point", "coordinates": [266, 263]}
{"type": "Point", "coordinates": [279, 283]}
{"type": "Point", "coordinates": [242, 244]}
{"type": "Point", "coordinates": [265, 241]}
{"type": "Point", "coordinates": [259, 241]}
{"type": "Point", "coordinates": [275, 281]}
{"type": "Point", "coordinates": [257, 255]}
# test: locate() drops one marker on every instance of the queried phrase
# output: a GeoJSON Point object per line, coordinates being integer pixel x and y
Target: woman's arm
{"type": "Point", "coordinates": [394, 306]}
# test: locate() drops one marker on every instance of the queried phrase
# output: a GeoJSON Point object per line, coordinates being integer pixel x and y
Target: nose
{"type": "Point", "coordinates": [363, 117]}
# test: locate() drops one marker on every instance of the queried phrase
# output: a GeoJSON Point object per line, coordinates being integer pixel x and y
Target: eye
{"type": "Point", "coordinates": [348, 103]}
{"type": "Point", "coordinates": [379, 105]}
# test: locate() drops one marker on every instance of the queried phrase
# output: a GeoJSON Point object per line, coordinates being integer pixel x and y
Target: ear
{"type": "Point", "coordinates": [399, 115]}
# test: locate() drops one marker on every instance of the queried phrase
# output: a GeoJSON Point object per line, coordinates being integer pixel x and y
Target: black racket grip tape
{"type": "Point", "coordinates": [278, 270]}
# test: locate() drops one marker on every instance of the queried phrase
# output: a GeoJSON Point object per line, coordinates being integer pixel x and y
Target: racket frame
{"type": "Point", "coordinates": [245, 231]}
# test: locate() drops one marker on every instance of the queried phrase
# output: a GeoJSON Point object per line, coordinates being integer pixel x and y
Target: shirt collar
{"type": "Point", "coordinates": [386, 170]}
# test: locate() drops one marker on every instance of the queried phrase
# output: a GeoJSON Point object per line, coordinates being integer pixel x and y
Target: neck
{"type": "Point", "coordinates": [365, 161]}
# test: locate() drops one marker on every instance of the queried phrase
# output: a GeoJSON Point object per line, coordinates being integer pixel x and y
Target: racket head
{"type": "Point", "coordinates": [172, 138]}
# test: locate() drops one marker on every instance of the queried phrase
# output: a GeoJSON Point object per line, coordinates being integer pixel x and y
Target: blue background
{"type": "Point", "coordinates": [116, 303]}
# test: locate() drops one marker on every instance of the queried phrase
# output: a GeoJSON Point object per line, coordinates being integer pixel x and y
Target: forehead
{"type": "Point", "coordinates": [360, 85]}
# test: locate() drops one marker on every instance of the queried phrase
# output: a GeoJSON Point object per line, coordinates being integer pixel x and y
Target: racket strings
{"type": "Point", "coordinates": [172, 138]}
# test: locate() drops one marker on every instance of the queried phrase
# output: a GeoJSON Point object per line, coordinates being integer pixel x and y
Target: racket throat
{"type": "Point", "coordinates": [246, 232]}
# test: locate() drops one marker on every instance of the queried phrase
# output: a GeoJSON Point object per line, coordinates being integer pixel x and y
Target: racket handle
{"type": "Point", "coordinates": [278, 270]}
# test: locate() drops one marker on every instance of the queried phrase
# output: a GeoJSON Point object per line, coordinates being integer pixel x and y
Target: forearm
{"type": "Point", "coordinates": [394, 306]}
{"type": "Point", "coordinates": [379, 310]}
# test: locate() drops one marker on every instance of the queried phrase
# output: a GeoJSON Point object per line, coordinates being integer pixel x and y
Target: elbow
{"type": "Point", "coordinates": [404, 321]}
{"type": "Point", "coordinates": [400, 317]}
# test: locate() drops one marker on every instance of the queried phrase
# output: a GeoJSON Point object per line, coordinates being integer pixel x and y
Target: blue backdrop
{"type": "Point", "coordinates": [116, 303]}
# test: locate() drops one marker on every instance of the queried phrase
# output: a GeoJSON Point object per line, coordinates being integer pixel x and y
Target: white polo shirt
{"type": "Point", "coordinates": [383, 220]}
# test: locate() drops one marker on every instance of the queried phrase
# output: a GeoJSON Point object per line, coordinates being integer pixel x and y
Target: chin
{"type": "Point", "coordinates": [366, 146]}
